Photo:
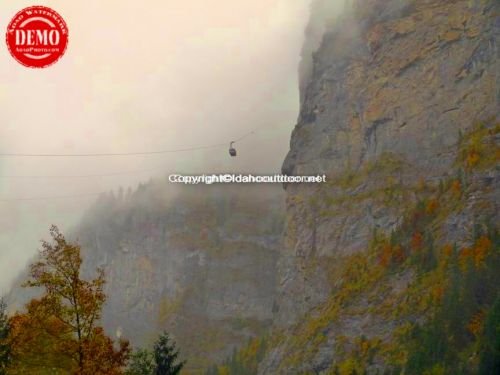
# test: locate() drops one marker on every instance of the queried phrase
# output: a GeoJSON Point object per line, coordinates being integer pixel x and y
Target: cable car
{"type": "Point", "coordinates": [232, 150]}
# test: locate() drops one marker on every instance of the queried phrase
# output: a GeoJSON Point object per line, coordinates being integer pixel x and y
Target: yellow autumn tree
{"type": "Point", "coordinates": [59, 331]}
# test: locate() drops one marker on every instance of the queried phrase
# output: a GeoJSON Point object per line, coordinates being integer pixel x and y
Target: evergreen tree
{"type": "Point", "coordinates": [166, 356]}
{"type": "Point", "coordinates": [490, 346]}
{"type": "Point", "coordinates": [4, 333]}
{"type": "Point", "coordinates": [142, 362]}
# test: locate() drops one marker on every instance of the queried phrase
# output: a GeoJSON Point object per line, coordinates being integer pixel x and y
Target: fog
{"type": "Point", "coordinates": [142, 76]}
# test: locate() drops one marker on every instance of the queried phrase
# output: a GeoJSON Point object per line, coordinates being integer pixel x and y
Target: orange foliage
{"type": "Point", "coordinates": [45, 342]}
{"type": "Point", "coordinates": [101, 356]}
{"type": "Point", "coordinates": [385, 255]}
{"type": "Point", "coordinates": [446, 253]}
{"type": "Point", "coordinates": [59, 331]}
{"type": "Point", "coordinates": [475, 326]}
{"type": "Point", "coordinates": [464, 257]}
{"type": "Point", "coordinates": [398, 254]}
{"type": "Point", "coordinates": [391, 254]}
{"type": "Point", "coordinates": [472, 158]}
{"type": "Point", "coordinates": [417, 240]}
{"type": "Point", "coordinates": [437, 293]}
{"type": "Point", "coordinates": [39, 340]}
{"type": "Point", "coordinates": [447, 250]}
{"type": "Point", "coordinates": [364, 347]}
{"type": "Point", "coordinates": [477, 253]}
{"type": "Point", "coordinates": [481, 250]}
{"type": "Point", "coordinates": [456, 188]}
{"type": "Point", "coordinates": [431, 206]}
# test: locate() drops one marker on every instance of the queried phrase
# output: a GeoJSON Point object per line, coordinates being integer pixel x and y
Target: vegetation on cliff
{"type": "Point", "coordinates": [436, 303]}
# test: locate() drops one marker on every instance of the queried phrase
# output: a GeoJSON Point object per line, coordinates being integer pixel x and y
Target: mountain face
{"type": "Point", "coordinates": [390, 267]}
{"type": "Point", "coordinates": [399, 107]}
{"type": "Point", "coordinates": [199, 263]}
{"type": "Point", "coordinates": [392, 86]}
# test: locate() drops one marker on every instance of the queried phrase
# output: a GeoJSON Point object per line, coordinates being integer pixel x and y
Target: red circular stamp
{"type": "Point", "coordinates": [37, 37]}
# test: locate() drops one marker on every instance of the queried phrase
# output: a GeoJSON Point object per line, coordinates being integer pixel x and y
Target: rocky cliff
{"type": "Point", "coordinates": [391, 267]}
{"type": "Point", "coordinates": [399, 107]}
{"type": "Point", "coordinates": [198, 262]}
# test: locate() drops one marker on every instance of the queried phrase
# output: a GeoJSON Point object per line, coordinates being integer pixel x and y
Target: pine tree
{"type": "Point", "coordinates": [4, 333]}
{"type": "Point", "coordinates": [142, 362]}
{"type": "Point", "coordinates": [167, 356]}
{"type": "Point", "coordinates": [490, 346]}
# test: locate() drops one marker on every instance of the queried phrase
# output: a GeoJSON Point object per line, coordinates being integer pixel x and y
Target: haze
{"type": "Point", "coordinates": [139, 76]}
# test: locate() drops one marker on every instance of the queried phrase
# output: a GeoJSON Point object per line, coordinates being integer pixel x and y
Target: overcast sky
{"type": "Point", "coordinates": [143, 75]}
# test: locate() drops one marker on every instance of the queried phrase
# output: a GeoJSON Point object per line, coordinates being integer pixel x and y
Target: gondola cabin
{"type": "Point", "coordinates": [232, 150]}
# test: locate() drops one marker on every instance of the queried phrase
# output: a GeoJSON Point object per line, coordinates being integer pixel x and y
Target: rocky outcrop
{"type": "Point", "coordinates": [386, 100]}
{"type": "Point", "coordinates": [199, 263]}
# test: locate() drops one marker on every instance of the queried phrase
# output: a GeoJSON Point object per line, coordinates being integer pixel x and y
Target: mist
{"type": "Point", "coordinates": [142, 76]}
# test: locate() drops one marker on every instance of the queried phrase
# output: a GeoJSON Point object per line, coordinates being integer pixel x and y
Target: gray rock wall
{"type": "Point", "coordinates": [385, 99]}
{"type": "Point", "coordinates": [200, 264]}
{"type": "Point", "coordinates": [399, 77]}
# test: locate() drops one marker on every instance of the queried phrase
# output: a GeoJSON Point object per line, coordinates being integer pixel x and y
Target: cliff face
{"type": "Point", "coordinates": [399, 108]}
{"type": "Point", "coordinates": [198, 263]}
{"type": "Point", "coordinates": [398, 77]}
{"type": "Point", "coordinates": [392, 266]}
